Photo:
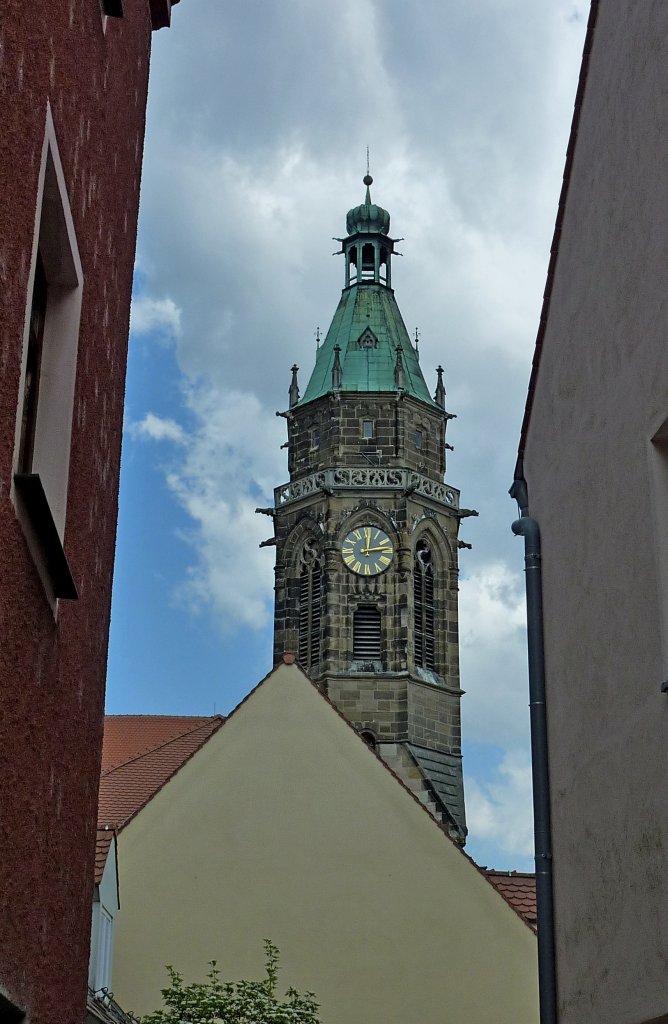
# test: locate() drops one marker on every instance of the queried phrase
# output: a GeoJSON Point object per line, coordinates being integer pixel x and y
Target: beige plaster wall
{"type": "Point", "coordinates": [597, 487]}
{"type": "Point", "coordinates": [287, 826]}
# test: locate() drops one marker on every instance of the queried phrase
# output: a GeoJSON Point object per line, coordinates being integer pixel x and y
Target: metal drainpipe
{"type": "Point", "coordinates": [528, 528]}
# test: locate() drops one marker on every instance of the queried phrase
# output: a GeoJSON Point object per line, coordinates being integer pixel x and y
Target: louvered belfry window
{"type": "Point", "coordinates": [310, 607]}
{"type": "Point", "coordinates": [366, 634]}
{"type": "Point", "coordinates": [423, 606]}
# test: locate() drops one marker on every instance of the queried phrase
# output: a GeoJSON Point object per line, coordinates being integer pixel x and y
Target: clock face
{"type": "Point", "coordinates": [367, 551]}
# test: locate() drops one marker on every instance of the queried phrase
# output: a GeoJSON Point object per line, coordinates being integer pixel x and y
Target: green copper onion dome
{"type": "Point", "coordinates": [368, 218]}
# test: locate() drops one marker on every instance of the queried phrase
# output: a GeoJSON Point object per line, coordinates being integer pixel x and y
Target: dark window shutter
{"type": "Point", "coordinates": [366, 634]}
{"type": "Point", "coordinates": [310, 615]}
{"type": "Point", "coordinates": [316, 614]}
{"type": "Point", "coordinates": [303, 618]}
{"type": "Point", "coordinates": [423, 608]}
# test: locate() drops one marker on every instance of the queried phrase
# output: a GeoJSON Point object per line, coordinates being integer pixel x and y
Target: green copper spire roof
{"type": "Point", "coordinates": [367, 328]}
{"type": "Point", "coordinates": [367, 347]}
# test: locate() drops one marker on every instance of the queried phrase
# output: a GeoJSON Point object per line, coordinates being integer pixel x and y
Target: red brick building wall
{"type": "Point", "coordinates": [53, 655]}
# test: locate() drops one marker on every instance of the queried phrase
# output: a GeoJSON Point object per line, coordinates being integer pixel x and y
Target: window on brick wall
{"type": "Point", "coordinates": [31, 378]}
{"type": "Point", "coordinates": [112, 8]}
{"type": "Point", "coordinates": [423, 606]}
{"type": "Point", "coordinates": [48, 372]}
{"type": "Point", "coordinates": [9, 1014]}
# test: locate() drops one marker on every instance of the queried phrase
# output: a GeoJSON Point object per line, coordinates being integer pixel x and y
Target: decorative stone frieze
{"type": "Point", "coordinates": [373, 479]}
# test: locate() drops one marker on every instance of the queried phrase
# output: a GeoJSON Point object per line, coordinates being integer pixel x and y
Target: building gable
{"type": "Point", "coordinates": [285, 825]}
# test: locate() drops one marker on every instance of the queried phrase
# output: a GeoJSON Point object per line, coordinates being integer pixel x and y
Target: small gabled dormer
{"type": "Point", "coordinates": [367, 339]}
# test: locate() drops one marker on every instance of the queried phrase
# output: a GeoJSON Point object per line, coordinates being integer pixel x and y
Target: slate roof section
{"type": "Point", "coordinates": [142, 753]}
{"type": "Point", "coordinates": [443, 774]}
{"type": "Point", "coordinates": [519, 889]}
{"type": "Point", "coordinates": [362, 306]}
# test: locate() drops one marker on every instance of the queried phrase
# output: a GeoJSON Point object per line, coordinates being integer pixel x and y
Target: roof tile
{"type": "Point", "coordinates": [519, 889]}
{"type": "Point", "coordinates": [102, 844]}
{"type": "Point", "coordinates": [140, 754]}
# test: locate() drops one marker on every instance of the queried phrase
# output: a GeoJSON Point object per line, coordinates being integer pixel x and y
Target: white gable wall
{"type": "Point", "coordinates": [286, 826]}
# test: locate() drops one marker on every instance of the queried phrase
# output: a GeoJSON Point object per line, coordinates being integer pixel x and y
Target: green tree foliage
{"type": "Point", "coordinates": [242, 1002]}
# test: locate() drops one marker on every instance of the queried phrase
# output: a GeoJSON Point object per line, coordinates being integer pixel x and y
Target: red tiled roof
{"type": "Point", "coordinates": [102, 844]}
{"type": "Point", "coordinates": [140, 754]}
{"type": "Point", "coordinates": [128, 736]}
{"type": "Point", "coordinates": [519, 889]}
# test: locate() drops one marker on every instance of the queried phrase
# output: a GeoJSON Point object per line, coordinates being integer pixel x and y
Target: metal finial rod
{"type": "Point", "coordinates": [367, 179]}
{"type": "Point", "coordinates": [317, 337]}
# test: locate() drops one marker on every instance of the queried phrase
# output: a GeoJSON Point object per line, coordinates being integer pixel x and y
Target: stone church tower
{"type": "Point", "coordinates": [366, 531]}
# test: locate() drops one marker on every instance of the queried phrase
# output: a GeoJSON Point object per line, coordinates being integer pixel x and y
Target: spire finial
{"type": "Point", "coordinates": [337, 372]}
{"type": "Point", "coordinates": [399, 375]}
{"type": "Point", "coordinates": [417, 339]}
{"type": "Point", "coordinates": [367, 179]}
{"type": "Point", "coordinates": [293, 390]}
{"type": "Point", "coordinates": [439, 396]}
{"type": "Point", "coordinates": [317, 338]}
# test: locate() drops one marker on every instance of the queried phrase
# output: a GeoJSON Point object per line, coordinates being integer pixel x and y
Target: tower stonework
{"type": "Point", "coordinates": [366, 532]}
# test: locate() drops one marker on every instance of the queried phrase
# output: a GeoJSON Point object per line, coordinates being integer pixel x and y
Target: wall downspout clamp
{"type": "Point", "coordinates": [528, 528]}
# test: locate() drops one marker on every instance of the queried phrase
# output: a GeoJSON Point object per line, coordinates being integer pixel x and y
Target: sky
{"type": "Point", "coordinates": [258, 121]}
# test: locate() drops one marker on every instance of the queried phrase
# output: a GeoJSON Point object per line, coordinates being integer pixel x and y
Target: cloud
{"type": "Point", "coordinates": [157, 428]}
{"type": "Point", "coordinates": [493, 655]}
{"type": "Point", "coordinates": [225, 466]}
{"type": "Point", "coordinates": [155, 316]}
{"type": "Point", "coordinates": [260, 172]}
{"type": "Point", "coordinates": [498, 809]}
{"type": "Point", "coordinates": [253, 161]}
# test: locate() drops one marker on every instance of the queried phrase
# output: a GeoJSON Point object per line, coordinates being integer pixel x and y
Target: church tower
{"type": "Point", "coordinates": [366, 531]}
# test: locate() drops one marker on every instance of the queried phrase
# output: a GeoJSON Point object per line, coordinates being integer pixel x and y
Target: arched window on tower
{"type": "Point", "coordinates": [310, 606]}
{"type": "Point", "coordinates": [423, 606]}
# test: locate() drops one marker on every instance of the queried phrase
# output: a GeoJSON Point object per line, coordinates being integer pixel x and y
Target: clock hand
{"type": "Point", "coordinates": [367, 551]}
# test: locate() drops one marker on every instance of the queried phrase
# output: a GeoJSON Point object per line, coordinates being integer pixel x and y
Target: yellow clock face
{"type": "Point", "coordinates": [367, 551]}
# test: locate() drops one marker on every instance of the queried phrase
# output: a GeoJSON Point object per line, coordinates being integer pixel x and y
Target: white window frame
{"type": "Point", "coordinates": [105, 949]}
